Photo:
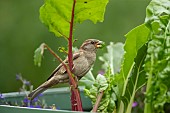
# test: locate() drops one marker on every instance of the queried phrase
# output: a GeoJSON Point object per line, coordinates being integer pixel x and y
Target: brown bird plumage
{"type": "Point", "coordinates": [83, 59]}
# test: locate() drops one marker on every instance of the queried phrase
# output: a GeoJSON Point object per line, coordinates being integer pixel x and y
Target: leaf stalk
{"type": "Point", "coordinates": [75, 95]}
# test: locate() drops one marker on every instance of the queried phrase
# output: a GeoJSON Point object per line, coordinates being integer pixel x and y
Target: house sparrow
{"type": "Point", "coordinates": [83, 60]}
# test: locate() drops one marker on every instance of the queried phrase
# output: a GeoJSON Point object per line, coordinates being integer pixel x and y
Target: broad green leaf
{"type": "Point", "coordinates": [90, 10]}
{"type": "Point", "coordinates": [56, 14]}
{"type": "Point", "coordinates": [137, 79]}
{"type": "Point", "coordinates": [38, 55]}
{"type": "Point", "coordinates": [136, 38]}
{"type": "Point", "coordinates": [113, 57]}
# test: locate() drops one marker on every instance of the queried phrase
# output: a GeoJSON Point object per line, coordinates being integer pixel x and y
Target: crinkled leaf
{"type": "Point", "coordinates": [56, 14]}
{"type": "Point", "coordinates": [157, 64]}
{"type": "Point", "coordinates": [157, 8]}
{"type": "Point", "coordinates": [168, 96]}
{"type": "Point", "coordinates": [113, 57]}
{"type": "Point", "coordinates": [38, 55]}
{"type": "Point", "coordinates": [107, 104]}
{"type": "Point", "coordinates": [101, 82]}
{"type": "Point", "coordinates": [161, 96]}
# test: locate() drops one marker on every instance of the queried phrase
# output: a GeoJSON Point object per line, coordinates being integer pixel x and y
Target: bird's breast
{"type": "Point", "coordinates": [82, 65]}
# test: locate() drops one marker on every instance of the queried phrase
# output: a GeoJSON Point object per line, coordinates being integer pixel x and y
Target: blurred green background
{"type": "Point", "coordinates": [21, 32]}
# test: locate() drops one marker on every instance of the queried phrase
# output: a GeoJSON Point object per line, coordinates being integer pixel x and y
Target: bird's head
{"type": "Point", "coordinates": [92, 45]}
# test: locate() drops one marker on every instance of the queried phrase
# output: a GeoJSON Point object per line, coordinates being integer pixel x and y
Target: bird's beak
{"type": "Point", "coordinates": [100, 44]}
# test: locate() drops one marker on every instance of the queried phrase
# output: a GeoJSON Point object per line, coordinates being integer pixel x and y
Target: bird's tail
{"type": "Point", "coordinates": [49, 83]}
{"type": "Point", "coordinates": [36, 92]}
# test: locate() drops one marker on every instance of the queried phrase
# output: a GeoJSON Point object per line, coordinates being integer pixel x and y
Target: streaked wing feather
{"type": "Point", "coordinates": [60, 69]}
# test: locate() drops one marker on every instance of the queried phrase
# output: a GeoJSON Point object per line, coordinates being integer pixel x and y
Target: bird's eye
{"type": "Point", "coordinates": [92, 42]}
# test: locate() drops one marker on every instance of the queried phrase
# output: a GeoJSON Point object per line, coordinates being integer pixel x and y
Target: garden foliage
{"type": "Point", "coordinates": [60, 17]}
{"type": "Point", "coordinates": [146, 62]}
{"type": "Point", "coordinates": [157, 62]}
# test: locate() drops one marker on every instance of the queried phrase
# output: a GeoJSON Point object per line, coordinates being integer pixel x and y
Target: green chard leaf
{"type": "Point", "coordinates": [56, 14]}
{"type": "Point", "coordinates": [157, 63]}
{"type": "Point", "coordinates": [137, 79]}
{"type": "Point", "coordinates": [136, 39]}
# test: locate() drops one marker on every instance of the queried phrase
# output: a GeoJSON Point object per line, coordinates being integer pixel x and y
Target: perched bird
{"type": "Point", "coordinates": [83, 60]}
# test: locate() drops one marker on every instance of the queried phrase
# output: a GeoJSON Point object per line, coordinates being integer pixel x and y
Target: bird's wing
{"type": "Point", "coordinates": [61, 69]}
